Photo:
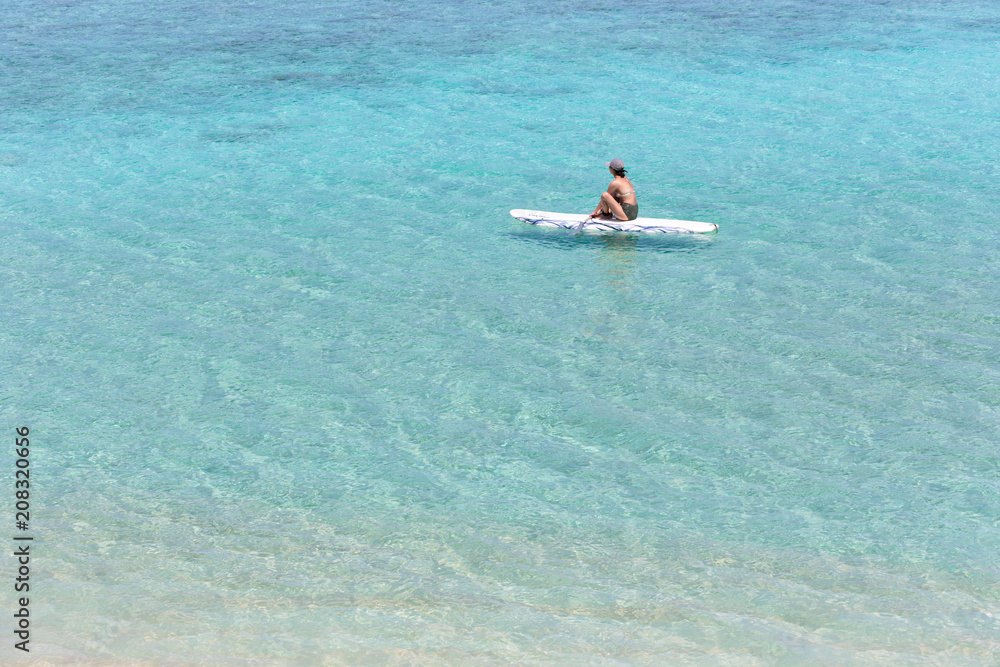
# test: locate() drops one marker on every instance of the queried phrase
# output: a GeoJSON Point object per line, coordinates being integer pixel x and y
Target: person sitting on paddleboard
{"type": "Point", "coordinates": [619, 200]}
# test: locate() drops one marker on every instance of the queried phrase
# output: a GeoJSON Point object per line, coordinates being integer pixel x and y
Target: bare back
{"type": "Point", "coordinates": [622, 190]}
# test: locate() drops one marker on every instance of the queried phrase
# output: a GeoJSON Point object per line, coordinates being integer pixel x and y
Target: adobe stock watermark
{"type": "Point", "coordinates": [22, 541]}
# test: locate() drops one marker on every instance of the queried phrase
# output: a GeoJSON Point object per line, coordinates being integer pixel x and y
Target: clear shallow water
{"type": "Point", "coordinates": [286, 412]}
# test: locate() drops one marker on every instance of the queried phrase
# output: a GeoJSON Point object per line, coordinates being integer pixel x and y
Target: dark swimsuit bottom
{"type": "Point", "coordinates": [631, 210]}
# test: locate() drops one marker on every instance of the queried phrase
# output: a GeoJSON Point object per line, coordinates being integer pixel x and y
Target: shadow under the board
{"type": "Point", "coordinates": [564, 239]}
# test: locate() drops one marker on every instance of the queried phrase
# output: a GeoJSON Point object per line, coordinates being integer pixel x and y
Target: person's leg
{"type": "Point", "coordinates": [610, 205]}
{"type": "Point", "coordinates": [602, 210]}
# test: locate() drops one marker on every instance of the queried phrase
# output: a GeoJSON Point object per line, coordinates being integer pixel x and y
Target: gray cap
{"type": "Point", "coordinates": [616, 164]}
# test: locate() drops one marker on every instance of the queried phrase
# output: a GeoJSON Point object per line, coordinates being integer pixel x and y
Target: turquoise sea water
{"type": "Point", "coordinates": [302, 392]}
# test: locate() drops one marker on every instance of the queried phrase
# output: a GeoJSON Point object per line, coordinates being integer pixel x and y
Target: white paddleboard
{"type": "Point", "coordinates": [655, 225]}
